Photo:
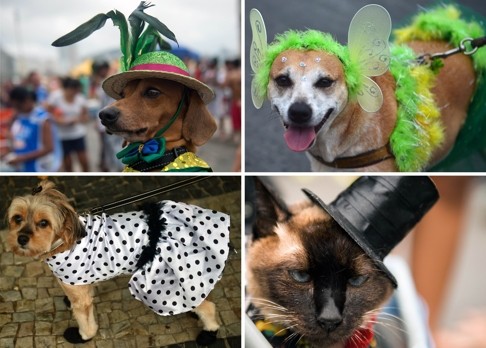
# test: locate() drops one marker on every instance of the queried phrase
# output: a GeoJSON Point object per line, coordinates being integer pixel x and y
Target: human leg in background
{"type": "Point", "coordinates": [435, 242]}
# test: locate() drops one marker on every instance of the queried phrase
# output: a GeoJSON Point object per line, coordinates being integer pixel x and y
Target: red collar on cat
{"type": "Point", "coordinates": [363, 337]}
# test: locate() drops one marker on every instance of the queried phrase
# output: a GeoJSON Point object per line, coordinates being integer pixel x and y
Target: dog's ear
{"type": "Point", "coordinates": [73, 229]}
{"type": "Point", "coordinates": [198, 125]}
{"type": "Point", "coordinates": [269, 210]}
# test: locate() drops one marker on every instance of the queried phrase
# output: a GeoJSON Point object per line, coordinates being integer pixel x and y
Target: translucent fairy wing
{"type": "Point", "coordinates": [258, 46]}
{"type": "Point", "coordinates": [368, 35]}
{"type": "Point", "coordinates": [370, 97]}
{"type": "Point", "coordinates": [256, 98]}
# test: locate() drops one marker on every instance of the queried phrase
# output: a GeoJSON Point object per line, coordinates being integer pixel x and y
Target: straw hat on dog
{"type": "Point", "coordinates": [162, 65]}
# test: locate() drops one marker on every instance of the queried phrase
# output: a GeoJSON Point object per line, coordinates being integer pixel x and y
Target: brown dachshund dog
{"type": "Point", "coordinates": [148, 104]}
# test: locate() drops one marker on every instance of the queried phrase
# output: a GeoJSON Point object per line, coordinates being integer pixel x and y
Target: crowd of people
{"type": "Point", "coordinates": [44, 121]}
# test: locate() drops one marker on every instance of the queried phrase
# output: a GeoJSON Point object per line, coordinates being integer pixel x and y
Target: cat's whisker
{"type": "Point", "coordinates": [391, 326]}
{"type": "Point", "coordinates": [290, 337]}
{"type": "Point", "coordinates": [269, 304]}
{"type": "Point", "coordinates": [301, 337]}
{"type": "Point", "coordinates": [285, 328]}
{"type": "Point", "coordinates": [356, 339]}
{"type": "Point", "coordinates": [382, 315]}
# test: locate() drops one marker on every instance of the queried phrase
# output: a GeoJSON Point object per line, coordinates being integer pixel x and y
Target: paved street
{"type": "Point", "coordinates": [266, 150]}
{"type": "Point", "coordinates": [32, 312]}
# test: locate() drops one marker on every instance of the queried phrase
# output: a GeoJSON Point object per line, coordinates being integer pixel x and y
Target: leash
{"type": "Point", "coordinates": [145, 195]}
{"type": "Point", "coordinates": [467, 46]}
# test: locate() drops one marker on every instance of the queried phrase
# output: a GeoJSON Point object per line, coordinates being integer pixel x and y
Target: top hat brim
{"type": "Point", "coordinates": [353, 233]}
{"type": "Point", "coordinates": [114, 85]}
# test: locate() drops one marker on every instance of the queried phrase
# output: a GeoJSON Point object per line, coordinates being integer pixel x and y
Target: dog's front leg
{"type": "Point", "coordinates": [81, 297]}
{"type": "Point", "coordinates": [206, 311]}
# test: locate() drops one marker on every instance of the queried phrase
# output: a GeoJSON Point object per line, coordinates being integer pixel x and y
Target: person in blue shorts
{"type": "Point", "coordinates": [35, 146]}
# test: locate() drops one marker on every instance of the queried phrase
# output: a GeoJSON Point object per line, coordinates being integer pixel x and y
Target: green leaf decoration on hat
{"type": "Point", "coordinates": [134, 41]}
{"type": "Point", "coordinates": [83, 31]}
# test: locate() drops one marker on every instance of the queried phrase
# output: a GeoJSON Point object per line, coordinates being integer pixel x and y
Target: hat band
{"type": "Point", "coordinates": [161, 67]}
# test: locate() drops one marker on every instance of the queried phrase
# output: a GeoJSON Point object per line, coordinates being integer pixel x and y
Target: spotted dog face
{"type": "Point", "coordinates": [308, 90]}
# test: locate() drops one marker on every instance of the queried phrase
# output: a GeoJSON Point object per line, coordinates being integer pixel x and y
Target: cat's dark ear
{"type": "Point", "coordinates": [270, 209]}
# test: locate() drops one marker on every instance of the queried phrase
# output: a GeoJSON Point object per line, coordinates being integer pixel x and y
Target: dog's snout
{"type": "Point", "coordinates": [300, 112]}
{"type": "Point", "coordinates": [23, 239]}
{"type": "Point", "coordinates": [109, 115]}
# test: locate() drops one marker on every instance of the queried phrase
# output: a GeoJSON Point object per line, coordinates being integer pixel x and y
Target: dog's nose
{"type": "Point", "coordinates": [109, 115]}
{"type": "Point", "coordinates": [300, 112]}
{"type": "Point", "coordinates": [22, 240]}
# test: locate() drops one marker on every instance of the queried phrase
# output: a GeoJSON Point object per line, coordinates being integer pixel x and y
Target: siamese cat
{"type": "Point", "coordinates": [305, 274]}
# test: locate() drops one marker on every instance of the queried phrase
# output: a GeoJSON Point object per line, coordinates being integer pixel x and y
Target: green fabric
{"type": "Point", "coordinates": [160, 57]}
{"type": "Point", "coordinates": [148, 151]}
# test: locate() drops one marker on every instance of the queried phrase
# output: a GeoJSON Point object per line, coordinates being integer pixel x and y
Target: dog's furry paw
{"type": "Point", "coordinates": [72, 335]}
{"type": "Point", "coordinates": [67, 302]}
{"type": "Point", "coordinates": [205, 338]}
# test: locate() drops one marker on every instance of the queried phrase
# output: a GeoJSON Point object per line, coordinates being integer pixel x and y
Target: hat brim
{"type": "Point", "coordinates": [353, 233]}
{"type": "Point", "coordinates": [114, 85]}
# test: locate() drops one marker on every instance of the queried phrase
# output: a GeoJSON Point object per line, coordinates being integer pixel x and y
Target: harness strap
{"type": "Point", "coordinates": [174, 117]}
{"type": "Point", "coordinates": [153, 149]}
{"type": "Point", "coordinates": [359, 161]}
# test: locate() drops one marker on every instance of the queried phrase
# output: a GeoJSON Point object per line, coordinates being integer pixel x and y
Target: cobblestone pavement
{"type": "Point", "coordinates": [32, 312]}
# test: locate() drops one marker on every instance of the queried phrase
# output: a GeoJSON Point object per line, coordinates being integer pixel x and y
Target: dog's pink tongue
{"type": "Point", "coordinates": [299, 138]}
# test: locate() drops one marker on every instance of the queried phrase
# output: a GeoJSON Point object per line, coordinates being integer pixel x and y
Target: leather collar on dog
{"type": "Point", "coordinates": [54, 246]}
{"type": "Point", "coordinates": [165, 159]}
{"type": "Point", "coordinates": [359, 161]}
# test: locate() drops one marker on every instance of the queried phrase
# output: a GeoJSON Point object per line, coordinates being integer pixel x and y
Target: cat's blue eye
{"type": "Point", "coordinates": [358, 281]}
{"type": "Point", "coordinates": [300, 276]}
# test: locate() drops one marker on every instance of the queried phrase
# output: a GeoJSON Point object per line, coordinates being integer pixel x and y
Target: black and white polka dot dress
{"type": "Point", "coordinates": [189, 258]}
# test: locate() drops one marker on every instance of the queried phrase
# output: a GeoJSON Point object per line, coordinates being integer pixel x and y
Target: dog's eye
{"type": "Point", "coordinates": [152, 93]}
{"type": "Point", "coordinates": [43, 223]}
{"type": "Point", "coordinates": [283, 81]}
{"type": "Point", "coordinates": [300, 276]}
{"type": "Point", "coordinates": [358, 280]}
{"type": "Point", "coordinates": [17, 219]}
{"type": "Point", "coordinates": [324, 82]}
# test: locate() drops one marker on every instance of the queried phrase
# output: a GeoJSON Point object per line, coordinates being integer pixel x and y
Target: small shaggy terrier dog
{"type": "Point", "coordinates": [175, 252]}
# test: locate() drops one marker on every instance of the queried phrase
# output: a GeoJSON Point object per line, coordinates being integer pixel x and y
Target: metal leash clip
{"type": "Point", "coordinates": [467, 46]}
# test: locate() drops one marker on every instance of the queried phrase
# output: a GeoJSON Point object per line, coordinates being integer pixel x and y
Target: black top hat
{"type": "Point", "coordinates": [379, 211]}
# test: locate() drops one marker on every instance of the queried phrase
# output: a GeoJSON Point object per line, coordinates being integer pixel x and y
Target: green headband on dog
{"type": "Point", "coordinates": [307, 40]}
{"type": "Point", "coordinates": [367, 53]}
